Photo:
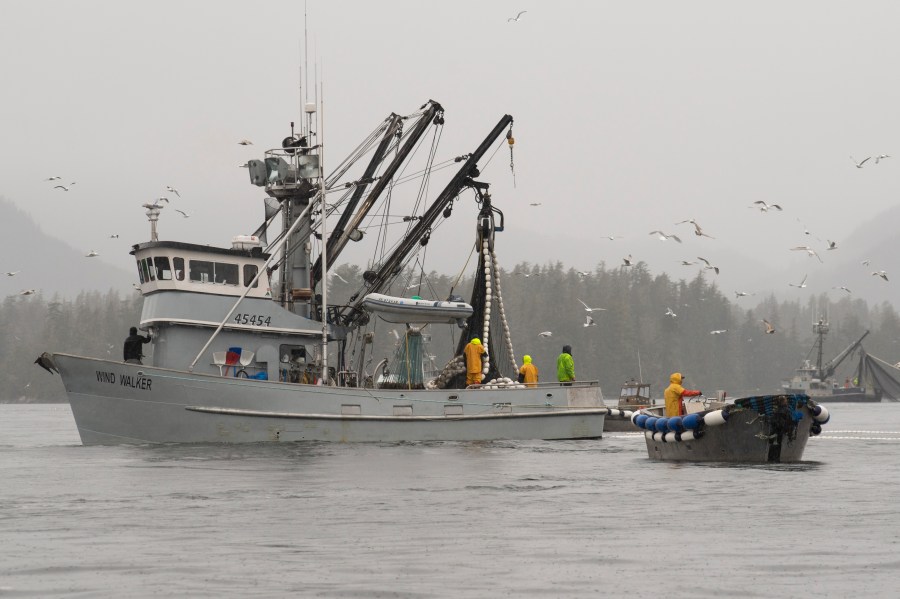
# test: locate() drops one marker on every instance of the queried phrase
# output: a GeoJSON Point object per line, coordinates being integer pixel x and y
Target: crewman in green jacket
{"type": "Point", "coordinates": [565, 366]}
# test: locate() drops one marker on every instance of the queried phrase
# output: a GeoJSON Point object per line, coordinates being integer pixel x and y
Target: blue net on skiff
{"type": "Point", "coordinates": [767, 404]}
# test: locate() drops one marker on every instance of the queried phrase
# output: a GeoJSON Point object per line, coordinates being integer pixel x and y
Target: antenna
{"type": "Point", "coordinates": [640, 374]}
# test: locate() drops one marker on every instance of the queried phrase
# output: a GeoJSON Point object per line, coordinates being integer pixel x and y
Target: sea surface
{"type": "Point", "coordinates": [504, 519]}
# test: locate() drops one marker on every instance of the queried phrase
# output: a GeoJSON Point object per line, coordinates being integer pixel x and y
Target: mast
{"type": "Point", "coordinates": [377, 280]}
{"type": "Point", "coordinates": [820, 329]}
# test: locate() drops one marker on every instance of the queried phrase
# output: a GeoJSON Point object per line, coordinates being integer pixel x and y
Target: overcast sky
{"type": "Point", "coordinates": [629, 116]}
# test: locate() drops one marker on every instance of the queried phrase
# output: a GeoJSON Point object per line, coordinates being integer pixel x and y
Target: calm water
{"type": "Point", "coordinates": [533, 519]}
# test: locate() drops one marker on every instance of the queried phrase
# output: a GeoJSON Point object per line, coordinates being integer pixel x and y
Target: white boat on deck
{"type": "Point", "coordinates": [416, 310]}
{"type": "Point", "coordinates": [236, 355]}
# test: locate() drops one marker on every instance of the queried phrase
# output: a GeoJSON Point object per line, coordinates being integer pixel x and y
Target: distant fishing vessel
{"type": "Point", "coordinates": [761, 429]}
{"type": "Point", "coordinates": [243, 338]}
{"type": "Point", "coordinates": [818, 381]}
{"type": "Point", "coordinates": [633, 396]}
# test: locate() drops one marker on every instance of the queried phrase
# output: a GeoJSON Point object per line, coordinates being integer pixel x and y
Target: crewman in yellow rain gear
{"type": "Point", "coordinates": [674, 394]}
{"type": "Point", "coordinates": [473, 351]}
{"type": "Point", "coordinates": [528, 372]}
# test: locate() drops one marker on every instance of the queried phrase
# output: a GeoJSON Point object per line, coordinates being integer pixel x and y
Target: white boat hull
{"type": "Point", "coordinates": [115, 403]}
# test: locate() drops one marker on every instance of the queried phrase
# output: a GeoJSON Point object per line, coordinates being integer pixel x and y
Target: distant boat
{"type": "Point", "coordinates": [633, 396]}
{"type": "Point", "coordinates": [818, 381]}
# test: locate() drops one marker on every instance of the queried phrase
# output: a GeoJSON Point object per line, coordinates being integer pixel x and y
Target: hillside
{"type": "Point", "coordinates": [49, 265]}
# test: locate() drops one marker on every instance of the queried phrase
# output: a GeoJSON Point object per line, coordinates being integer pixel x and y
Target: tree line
{"type": "Point", "coordinates": [633, 335]}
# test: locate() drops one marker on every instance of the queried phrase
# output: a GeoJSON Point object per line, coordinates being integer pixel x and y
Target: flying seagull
{"type": "Point", "coordinates": [669, 312]}
{"type": "Point", "coordinates": [718, 331]}
{"type": "Point", "coordinates": [339, 277]}
{"type": "Point", "coordinates": [738, 294]}
{"type": "Point", "coordinates": [63, 187]}
{"type": "Point", "coordinates": [663, 237]}
{"type": "Point", "coordinates": [13, 273]}
{"type": "Point", "coordinates": [171, 189]}
{"type": "Point", "coordinates": [535, 204]}
{"type": "Point", "coordinates": [114, 236]}
{"type": "Point", "coordinates": [842, 288]}
{"type": "Point", "coordinates": [182, 213]}
{"type": "Point", "coordinates": [769, 328]}
{"type": "Point", "coordinates": [688, 263]}
{"type": "Point", "coordinates": [861, 162]}
{"type": "Point", "coordinates": [809, 251]}
{"type": "Point", "coordinates": [546, 334]}
{"type": "Point", "coordinates": [91, 254]}
{"type": "Point", "coordinates": [697, 230]}
{"type": "Point", "coordinates": [589, 309]}
{"type": "Point", "coordinates": [245, 142]}
{"type": "Point", "coordinates": [613, 237]}
{"type": "Point", "coordinates": [881, 157]}
{"type": "Point", "coordinates": [764, 207]}
{"type": "Point", "coordinates": [802, 283]}
{"type": "Point", "coordinates": [589, 322]}
{"type": "Point", "coordinates": [27, 292]}
{"type": "Point", "coordinates": [880, 273]}
{"type": "Point", "coordinates": [629, 261]}
{"type": "Point", "coordinates": [517, 17]}
{"type": "Point", "coordinates": [708, 265]}
{"type": "Point", "coordinates": [582, 274]}
{"type": "Point", "coordinates": [865, 262]}
{"type": "Point", "coordinates": [52, 178]}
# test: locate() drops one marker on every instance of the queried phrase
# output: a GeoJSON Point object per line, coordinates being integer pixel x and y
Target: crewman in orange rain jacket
{"type": "Point", "coordinates": [528, 372]}
{"type": "Point", "coordinates": [674, 394]}
{"type": "Point", "coordinates": [473, 351]}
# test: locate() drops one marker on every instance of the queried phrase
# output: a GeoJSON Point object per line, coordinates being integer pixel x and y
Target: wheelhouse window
{"type": "Point", "coordinates": [223, 273]}
{"type": "Point", "coordinates": [148, 266]}
{"type": "Point", "coordinates": [163, 272]}
{"type": "Point", "coordinates": [226, 274]}
{"type": "Point", "coordinates": [178, 263]}
{"type": "Point", "coordinates": [201, 271]}
{"type": "Point", "coordinates": [141, 277]}
{"type": "Point", "coordinates": [250, 271]}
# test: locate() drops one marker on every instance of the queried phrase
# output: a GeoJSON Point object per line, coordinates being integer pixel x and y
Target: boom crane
{"type": "Point", "coordinates": [828, 369]}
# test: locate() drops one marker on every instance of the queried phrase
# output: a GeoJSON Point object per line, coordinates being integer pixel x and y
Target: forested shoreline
{"type": "Point", "coordinates": [634, 323]}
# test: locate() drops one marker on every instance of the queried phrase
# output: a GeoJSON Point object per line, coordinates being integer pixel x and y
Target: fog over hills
{"type": "Point", "coordinates": [51, 266]}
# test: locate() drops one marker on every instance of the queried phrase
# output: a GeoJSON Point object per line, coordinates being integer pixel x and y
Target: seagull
{"type": "Point", "coordinates": [832, 245]}
{"type": "Point", "coordinates": [718, 331]}
{"type": "Point", "coordinates": [613, 237]}
{"type": "Point", "coordinates": [861, 163]}
{"type": "Point", "coordinates": [91, 254]}
{"type": "Point", "coordinates": [546, 334]}
{"type": "Point", "coordinates": [738, 294]}
{"type": "Point", "coordinates": [842, 288]}
{"type": "Point", "coordinates": [413, 285]}
{"type": "Point", "coordinates": [63, 187]}
{"type": "Point", "coordinates": [764, 207]}
{"type": "Point", "coordinates": [171, 189]}
{"type": "Point", "coordinates": [880, 273]}
{"type": "Point", "coordinates": [687, 263]}
{"type": "Point", "coordinates": [114, 236]}
{"type": "Point", "coordinates": [809, 251]}
{"type": "Point", "coordinates": [663, 237]}
{"type": "Point", "coordinates": [629, 261]}
{"type": "Point", "coordinates": [27, 292]}
{"type": "Point", "coordinates": [881, 157]}
{"type": "Point", "coordinates": [589, 322]}
{"type": "Point", "coordinates": [12, 273]}
{"type": "Point", "coordinates": [802, 284]}
{"type": "Point", "coordinates": [136, 287]}
{"type": "Point", "coordinates": [865, 262]}
{"type": "Point", "coordinates": [669, 312]}
{"type": "Point", "coordinates": [588, 309]}
{"type": "Point", "coordinates": [155, 203]}
{"type": "Point", "coordinates": [805, 230]}
{"type": "Point", "coordinates": [697, 230]}
{"type": "Point", "coordinates": [182, 213]}
{"type": "Point", "coordinates": [245, 165]}
{"type": "Point", "coordinates": [535, 204]}
{"type": "Point", "coordinates": [45, 361]}
{"type": "Point", "coordinates": [339, 277]}
{"type": "Point", "coordinates": [52, 178]}
{"type": "Point", "coordinates": [769, 328]}
{"type": "Point", "coordinates": [517, 17]}
{"type": "Point", "coordinates": [245, 142]}
{"type": "Point", "coordinates": [708, 265]}
{"type": "Point", "coordinates": [582, 274]}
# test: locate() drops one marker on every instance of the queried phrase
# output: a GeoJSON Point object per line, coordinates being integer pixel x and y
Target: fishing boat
{"type": "Point", "coordinates": [818, 381]}
{"type": "Point", "coordinates": [245, 347]}
{"type": "Point", "coordinates": [754, 430]}
{"type": "Point", "coordinates": [633, 396]}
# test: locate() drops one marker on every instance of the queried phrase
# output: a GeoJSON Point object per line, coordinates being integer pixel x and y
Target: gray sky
{"type": "Point", "coordinates": [629, 117]}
